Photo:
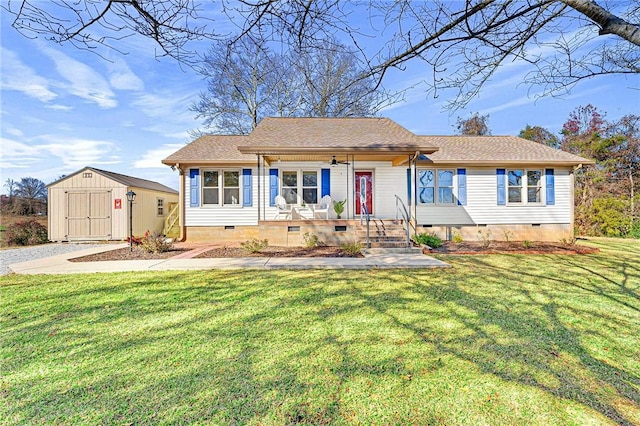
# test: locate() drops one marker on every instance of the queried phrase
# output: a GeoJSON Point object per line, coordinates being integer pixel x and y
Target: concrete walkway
{"type": "Point", "coordinates": [375, 260]}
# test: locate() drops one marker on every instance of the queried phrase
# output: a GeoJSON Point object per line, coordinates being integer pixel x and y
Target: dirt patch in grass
{"type": "Point", "coordinates": [275, 251]}
{"type": "Point", "coordinates": [512, 247]}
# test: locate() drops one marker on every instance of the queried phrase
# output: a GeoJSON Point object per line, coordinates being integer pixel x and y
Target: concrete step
{"type": "Point", "coordinates": [385, 244]}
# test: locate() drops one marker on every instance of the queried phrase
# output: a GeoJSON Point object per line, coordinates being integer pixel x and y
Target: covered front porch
{"type": "Point", "coordinates": [305, 184]}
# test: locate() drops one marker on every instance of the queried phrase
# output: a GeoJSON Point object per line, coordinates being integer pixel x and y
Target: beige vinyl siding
{"type": "Point", "coordinates": [145, 217]}
{"type": "Point", "coordinates": [482, 205]}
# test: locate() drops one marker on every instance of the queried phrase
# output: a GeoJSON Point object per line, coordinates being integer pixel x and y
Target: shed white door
{"type": "Point", "coordinates": [88, 214]}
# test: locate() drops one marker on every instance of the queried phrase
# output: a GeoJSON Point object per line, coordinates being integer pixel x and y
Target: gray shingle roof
{"type": "Point", "coordinates": [293, 134]}
{"type": "Point", "coordinates": [210, 148]}
{"type": "Point", "coordinates": [125, 180]}
{"type": "Point", "coordinates": [492, 149]}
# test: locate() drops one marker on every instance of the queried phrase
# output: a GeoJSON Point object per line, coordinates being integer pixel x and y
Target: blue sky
{"type": "Point", "coordinates": [64, 108]}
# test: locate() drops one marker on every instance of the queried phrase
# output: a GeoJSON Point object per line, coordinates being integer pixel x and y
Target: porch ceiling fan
{"type": "Point", "coordinates": [335, 162]}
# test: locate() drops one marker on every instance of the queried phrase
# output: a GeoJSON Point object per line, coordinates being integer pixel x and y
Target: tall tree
{"type": "Point", "coordinates": [10, 184]}
{"type": "Point", "coordinates": [563, 41]}
{"type": "Point", "coordinates": [540, 135]}
{"type": "Point", "coordinates": [246, 81]}
{"type": "Point", "coordinates": [31, 191]}
{"type": "Point", "coordinates": [624, 158]}
{"type": "Point", "coordinates": [476, 125]}
{"type": "Point", "coordinates": [242, 80]}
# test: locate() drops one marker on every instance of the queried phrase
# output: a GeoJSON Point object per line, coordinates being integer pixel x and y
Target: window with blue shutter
{"type": "Point", "coordinates": [194, 187]}
{"type": "Point", "coordinates": [551, 192]}
{"type": "Point", "coordinates": [247, 199]}
{"type": "Point", "coordinates": [462, 187]}
{"type": "Point", "coordinates": [273, 186]}
{"type": "Point", "coordinates": [502, 187]}
{"type": "Point", "coordinates": [326, 182]}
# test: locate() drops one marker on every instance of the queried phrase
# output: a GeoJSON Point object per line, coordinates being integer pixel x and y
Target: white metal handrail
{"type": "Point", "coordinates": [401, 209]}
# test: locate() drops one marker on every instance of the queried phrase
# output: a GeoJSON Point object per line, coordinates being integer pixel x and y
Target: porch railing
{"type": "Point", "coordinates": [171, 220]}
{"type": "Point", "coordinates": [364, 212]}
{"type": "Point", "coordinates": [401, 210]}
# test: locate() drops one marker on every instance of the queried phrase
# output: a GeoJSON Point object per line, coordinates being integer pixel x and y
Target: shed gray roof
{"type": "Point", "coordinates": [124, 180]}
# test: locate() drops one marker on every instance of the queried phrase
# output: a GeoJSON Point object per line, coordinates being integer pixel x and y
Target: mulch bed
{"type": "Point", "coordinates": [275, 251]}
{"type": "Point", "coordinates": [448, 247]}
{"type": "Point", "coordinates": [125, 254]}
{"type": "Point", "coordinates": [511, 247]}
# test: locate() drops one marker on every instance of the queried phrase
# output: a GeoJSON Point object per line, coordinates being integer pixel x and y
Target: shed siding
{"type": "Point", "coordinates": [101, 192]}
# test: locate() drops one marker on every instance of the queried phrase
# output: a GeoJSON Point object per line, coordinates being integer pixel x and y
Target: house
{"type": "Point", "coordinates": [503, 185]}
{"type": "Point", "coordinates": [91, 204]}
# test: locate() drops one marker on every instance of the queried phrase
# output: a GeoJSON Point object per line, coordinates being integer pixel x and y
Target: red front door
{"type": "Point", "coordinates": [364, 191]}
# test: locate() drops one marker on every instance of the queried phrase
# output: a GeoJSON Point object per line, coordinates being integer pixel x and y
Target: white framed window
{"type": "Point", "coordinates": [290, 186]}
{"type": "Point", "coordinates": [296, 182]}
{"type": "Point", "coordinates": [160, 206]}
{"type": "Point", "coordinates": [220, 187]}
{"type": "Point", "coordinates": [435, 186]}
{"type": "Point", "coordinates": [310, 186]}
{"type": "Point", "coordinates": [524, 186]}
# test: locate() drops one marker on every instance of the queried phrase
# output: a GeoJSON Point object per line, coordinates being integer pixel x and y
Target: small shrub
{"type": "Point", "coordinates": [507, 235]}
{"type": "Point", "coordinates": [255, 245]}
{"type": "Point", "coordinates": [311, 240]}
{"type": "Point", "coordinates": [431, 240]}
{"type": "Point", "coordinates": [527, 244]}
{"type": "Point", "coordinates": [634, 232]}
{"type": "Point", "coordinates": [351, 248]}
{"type": "Point", "coordinates": [457, 238]}
{"type": "Point", "coordinates": [484, 237]}
{"type": "Point", "coordinates": [155, 242]}
{"type": "Point", "coordinates": [26, 233]}
{"type": "Point", "coordinates": [571, 241]}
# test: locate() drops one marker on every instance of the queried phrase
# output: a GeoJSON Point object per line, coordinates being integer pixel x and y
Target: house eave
{"type": "Point", "coordinates": [309, 150]}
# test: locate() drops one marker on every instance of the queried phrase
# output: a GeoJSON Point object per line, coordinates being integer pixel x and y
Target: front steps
{"type": "Point", "coordinates": [383, 234]}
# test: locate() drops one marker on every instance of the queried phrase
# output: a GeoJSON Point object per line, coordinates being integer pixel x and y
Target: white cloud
{"type": "Point", "coordinates": [83, 81]}
{"type": "Point", "coordinates": [165, 105]}
{"type": "Point", "coordinates": [18, 76]}
{"type": "Point", "coordinates": [17, 154]}
{"type": "Point", "coordinates": [77, 153]}
{"type": "Point", "coordinates": [153, 157]}
{"type": "Point", "coordinates": [58, 107]}
{"type": "Point", "coordinates": [122, 78]}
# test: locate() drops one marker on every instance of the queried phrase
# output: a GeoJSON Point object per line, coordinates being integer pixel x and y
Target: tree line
{"type": "Point", "coordinates": [25, 197]}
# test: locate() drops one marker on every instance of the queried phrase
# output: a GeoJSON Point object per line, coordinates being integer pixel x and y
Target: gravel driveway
{"type": "Point", "coordinates": [23, 254]}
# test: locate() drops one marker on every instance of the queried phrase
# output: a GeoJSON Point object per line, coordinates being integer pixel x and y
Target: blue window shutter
{"type": "Point", "coordinates": [551, 192]}
{"type": "Point", "coordinates": [326, 182]}
{"type": "Point", "coordinates": [502, 187]}
{"type": "Point", "coordinates": [409, 186]}
{"type": "Point", "coordinates": [462, 187]}
{"type": "Point", "coordinates": [247, 200]}
{"type": "Point", "coordinates": [194, 187]}
{"type": "Point", "coordinates": [273, 186]}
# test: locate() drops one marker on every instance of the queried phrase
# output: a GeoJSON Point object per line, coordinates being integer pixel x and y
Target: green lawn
{"type": "Point", "coordinates": [498, 339]}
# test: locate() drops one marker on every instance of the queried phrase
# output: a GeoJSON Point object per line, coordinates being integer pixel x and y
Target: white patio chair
{"type": "Point", "coordinates": [283, 208]}
{"type": "Point", "coordinates": [322, 209]}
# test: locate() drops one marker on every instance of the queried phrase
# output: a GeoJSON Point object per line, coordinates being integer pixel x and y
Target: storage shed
{"type": "Point", "coordinates": [91, 204]}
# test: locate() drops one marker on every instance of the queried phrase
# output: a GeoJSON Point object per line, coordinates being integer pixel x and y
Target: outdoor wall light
{"type": "Point", "coordinates": [131, 196]}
